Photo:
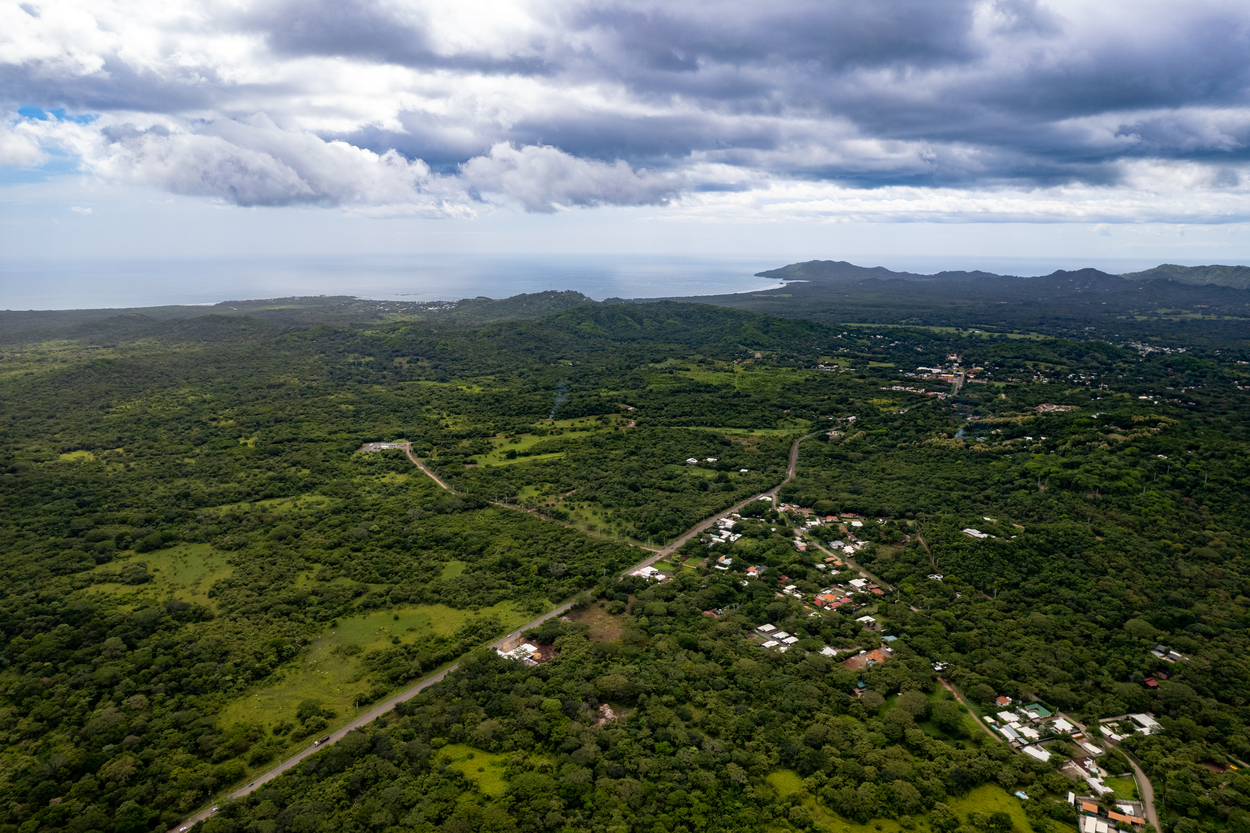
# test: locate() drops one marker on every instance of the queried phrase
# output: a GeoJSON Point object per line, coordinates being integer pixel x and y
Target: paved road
{"type": "Point", "coordinates": [408, 694]}
{"type": "Point", "coordinates": [368, 717]}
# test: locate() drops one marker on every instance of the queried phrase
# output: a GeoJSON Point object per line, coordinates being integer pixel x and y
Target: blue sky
{"type": "Point", "coordinates": [877, 132]}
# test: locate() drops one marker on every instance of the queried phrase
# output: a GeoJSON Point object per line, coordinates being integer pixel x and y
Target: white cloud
{"type": "Point", "coordinates": [544, 179]}
{"type": "Point", "coordinates": [256, 163]}
{"type": "Point", "coordinates": [78, 209]}
{"type": "Point", "coordinates": [972, 110]}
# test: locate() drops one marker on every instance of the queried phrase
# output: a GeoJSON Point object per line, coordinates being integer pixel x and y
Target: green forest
{"type": "Point", "coordinates": [207, 571]}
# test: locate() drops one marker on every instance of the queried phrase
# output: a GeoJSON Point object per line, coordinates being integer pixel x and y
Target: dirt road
{"type": "Point", "coordinates": [409, 693]}
{"type": "Point", "coordinates": [1144, 787]}
{"type": "Point", "coordinates": [959, 699]}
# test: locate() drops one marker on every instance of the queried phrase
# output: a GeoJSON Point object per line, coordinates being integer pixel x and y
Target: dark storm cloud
{"type": "Point", "coordinates": [968, 93]}
{"type": "Point", "coordinates": [370, 30]}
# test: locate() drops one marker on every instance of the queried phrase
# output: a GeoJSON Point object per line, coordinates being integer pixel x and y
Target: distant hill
{"type": "Point", "coordinates": [840, 270]}
{"type": "Point", "coordinates": [1237, 277]}
{"type": "Point", "coordinates": [338, 310]}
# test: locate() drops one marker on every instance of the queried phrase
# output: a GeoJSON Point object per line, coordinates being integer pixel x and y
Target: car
{"type": "Point", "coordinates": [252, 784]}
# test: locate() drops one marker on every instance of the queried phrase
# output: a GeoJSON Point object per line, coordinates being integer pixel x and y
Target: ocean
{"type": "Point", "coordinates": [102, 284]}
{"type": "Point", "coordinates": [52, 283]}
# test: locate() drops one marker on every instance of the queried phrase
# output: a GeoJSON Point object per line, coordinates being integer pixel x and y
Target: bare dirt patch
{"type": "Point", "coordinates": [604, 627]}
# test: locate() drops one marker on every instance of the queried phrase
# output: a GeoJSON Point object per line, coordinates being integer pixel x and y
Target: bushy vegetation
{"type": "Point", "coordinates": [184, 514]}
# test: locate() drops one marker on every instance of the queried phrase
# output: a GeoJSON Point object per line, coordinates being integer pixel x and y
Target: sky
{"type": "Point", "coordinates": [895, 132]}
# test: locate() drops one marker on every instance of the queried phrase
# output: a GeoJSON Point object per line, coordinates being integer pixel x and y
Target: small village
{"type": "Point", "coordinates": [1105, 801]}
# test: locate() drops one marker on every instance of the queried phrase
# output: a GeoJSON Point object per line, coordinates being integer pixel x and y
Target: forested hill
{"type": "Point", "coordinates": [303, 311]}
{"type": "Point", "coordinates": [1085, 303]}
{"type": "Point", "coordinates": [1234, 276]}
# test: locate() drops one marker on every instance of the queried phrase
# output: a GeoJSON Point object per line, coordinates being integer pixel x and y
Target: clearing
{"type": "Point", "coordinates": [335, 677]}
{"type": "Point", "coordinates": [604, 627]}
{"type": "Point", "coordinates": [482, 768]}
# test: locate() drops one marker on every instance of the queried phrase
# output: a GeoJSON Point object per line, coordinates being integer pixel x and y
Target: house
{"type": "Point", "coordinates": [1124, 817]}
{"type": "Point", "coordinates": [756, 572]}
{"type": "Point", "coordinates": [790, 640]}
{"type": "Point", "coordinates": [868, 622]}
{"type": "Point", "coordinates": [772, 643]}
{"type": "Point", "coordinates": [765, 629]}
{"type": "Point", "coordinates": [780, 635]}
{"type": "Point", "coordinates": [828, 652]}
{"type": "Point", "coordinates": [1062, 725]}
{"type": "Point", "coordinates": [1008, 717]}
{"type": "Point", "coordinates": [866, 659]}
{"type": "Point", "coordinates": [1037, 711]}
{"type": "Point", "coordinates": [649, 573]}
{"type": "Point", "coordinates": [524, 653]}
{"type": "Point", "coordinates": [858, 583]}
{"type": "Point", "coordinates": [1151, 682]}
{"type": "Point", "coordinates": [1002, 701]}
{"type": "Point", "coordinates": [1009, 733]}
{"type": "Point", "coordinates": [975, 533]}
{"type": "Point", "coordinates": [1146, 724]}
{"type": "Point", "coordinates": [692, 461]}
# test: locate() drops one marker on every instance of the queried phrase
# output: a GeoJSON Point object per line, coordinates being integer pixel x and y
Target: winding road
{"type": "Point", "coordinates": [384, 707]}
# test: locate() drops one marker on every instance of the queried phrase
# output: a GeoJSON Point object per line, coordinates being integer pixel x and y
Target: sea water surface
{"type": "Point", "coordinates": [100, 284]}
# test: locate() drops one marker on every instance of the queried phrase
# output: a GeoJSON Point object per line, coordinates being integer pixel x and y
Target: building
{"type": "Point", "coordinates": [1036, 752]}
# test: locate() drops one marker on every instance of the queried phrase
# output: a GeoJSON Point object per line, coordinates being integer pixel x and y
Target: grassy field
{"type": "Point", "coordinates": [985, 799]}
{"type": "Point", "coordinates": [990, 799]}
{"type": "Point", "coordinates": [185, 572]}
{"type": "Point", "coordinates": [787, 782]}
{"type": "Point", "coordinates": [336, 678]}
{"type": "Point", "coordinates": [482, 768]}
{"type": "Point", "coordinates": [280, 505]}
{"type": "Point", "coordinates": [604, 627]}
{"type": "Point", "coordinates": [1125, 788]}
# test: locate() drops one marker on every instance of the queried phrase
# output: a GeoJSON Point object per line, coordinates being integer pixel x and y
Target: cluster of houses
{"type": "Point", "coordinates": [838, 596]}
{"type": "Point", "coordinates": [1094, 819]}
{"type": "Point", "coordinates": [778, 640]}
{"type": "Point", "coordinates": [722, 531]}
{"type": "Point", "coordinates": [1027, 727]}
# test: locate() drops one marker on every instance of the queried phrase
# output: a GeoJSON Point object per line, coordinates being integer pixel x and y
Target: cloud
{"type": "Point", "coordinates": [78, 209]}
{"type": "Point", "coordinates": [20, 144]}
{"type": "Point", "coordinates": [544, 178]}
{"type": "Point", "coordinates": [413, 107]}
{"type": "Point", "coordinates": [256, 163]}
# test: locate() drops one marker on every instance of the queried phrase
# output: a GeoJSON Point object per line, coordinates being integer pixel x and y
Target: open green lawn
{"type": "Point", "coordinates": [1125, 788]}
{"type": "Point", "coordinates": [482, 768]}
{"type": "Point", "coordinates": [282, 504]}
{"type": "Point", "coordinates": [787, 782]}
{"type": "Point", "coordinates": [336, 678]}
{"type": "Point", "coordinates": [991, 799]}
{"type": "Point", "coordinates": [185, 572]}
